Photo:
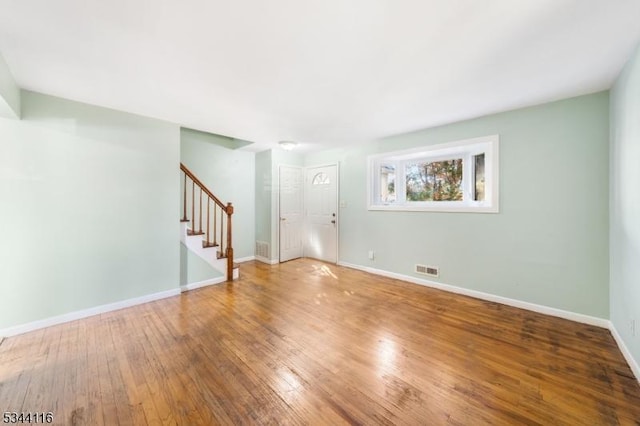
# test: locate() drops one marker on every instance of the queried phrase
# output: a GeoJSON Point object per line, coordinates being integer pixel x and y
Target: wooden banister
{"type": "Point", "coordinates": [201, 185]}
{"type": "Point", "coordinates": [226, 246]}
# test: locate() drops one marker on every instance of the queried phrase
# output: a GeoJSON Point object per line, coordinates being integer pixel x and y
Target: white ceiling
{"type": "Point", "coordinates": [320, 72]}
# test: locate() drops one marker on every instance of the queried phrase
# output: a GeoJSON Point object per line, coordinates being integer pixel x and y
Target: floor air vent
{"type": "Point", "coordinates": [432, 271]}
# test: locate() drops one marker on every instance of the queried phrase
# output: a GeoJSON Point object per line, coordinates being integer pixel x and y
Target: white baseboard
{"type": "Point", "coordinates": [633, 364]}
{"type": "Point", "coordinates": [84, 313]}
{"type": "Point", "coordinates": [193, 286]}
{"type": "Point", "coordinates": [586, 319]}
{"type": "Point", "coordinates": [266, 260]}
{"type": "Point", "coordinates": [244, 259]}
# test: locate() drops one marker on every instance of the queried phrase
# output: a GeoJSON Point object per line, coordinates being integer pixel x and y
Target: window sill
{"type": "Point", "coordinates": [441, 209]}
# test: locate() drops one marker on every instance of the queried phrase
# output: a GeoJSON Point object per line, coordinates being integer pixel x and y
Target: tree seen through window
{"type": "Point", "coordinates": [434, 181]}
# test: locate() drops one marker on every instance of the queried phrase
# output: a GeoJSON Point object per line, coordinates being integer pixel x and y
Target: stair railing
{"type": "Point", "coordinates": [213, 228]}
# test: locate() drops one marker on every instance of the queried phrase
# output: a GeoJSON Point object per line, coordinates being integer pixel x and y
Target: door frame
{"type": "Point", "coordinates": [304, 172]}
{"type": "Point", "coordinates": [307, 167]}
{"type": "Point", "coordinates": [277, 210]}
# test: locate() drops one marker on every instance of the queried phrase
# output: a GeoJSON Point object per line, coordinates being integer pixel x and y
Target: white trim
{"type": "Point", "coordinates": [633, 364]}
{"type": "Point", "coordinates": [244, 259]}
{"type": "Point", "coordinates": [84, 313]}
{"type": "Point", "coordinates": [199, 284]}
{"type": "Point", "coordinates": [443, 207]}
{"type": "Point", "coordinates": [266, 260]}
{"type": "Point", "coordinates": [585, 319]}
{"type": "Point", "coordinates": [338, 219]}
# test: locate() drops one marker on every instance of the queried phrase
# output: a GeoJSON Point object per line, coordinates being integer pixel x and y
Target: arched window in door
{"type": "Point", "coordinates": [321, 179]}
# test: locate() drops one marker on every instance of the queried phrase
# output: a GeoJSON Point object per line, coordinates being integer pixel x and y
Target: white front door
{"type": "Point", "coordinates": [290, 210]}
{"type": "Point", "coordinates": [321, 213]}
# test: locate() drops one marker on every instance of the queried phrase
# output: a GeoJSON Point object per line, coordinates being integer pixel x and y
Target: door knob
{"type": "Point", "coordinates": [333, 221]}
{"type": "Point", "coordinates": [283, 218]}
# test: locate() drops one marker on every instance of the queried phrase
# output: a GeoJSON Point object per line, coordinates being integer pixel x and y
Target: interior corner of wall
{"type": "Point", "coordinates": [10, 93]}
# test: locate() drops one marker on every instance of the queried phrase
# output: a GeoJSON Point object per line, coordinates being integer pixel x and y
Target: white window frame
{"type": "Point", "coordinates": [465, 149]}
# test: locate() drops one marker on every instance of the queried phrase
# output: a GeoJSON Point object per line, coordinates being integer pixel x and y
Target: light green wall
{"type": "Point", "coordinates": [194, 269]}
{"type": "Point", "coordinates": [267, 194]}
{"type": "Point", "coordinates": [625, 204]}
{"type": "Point", "coordinates": [230, 175]}
{"type": "Point", "coordinates": [9, 93]}
{"type": "Point", "coordinates": [549, 243]}
{"type": "Point", "coordinates": [90, 208]}
{"type": "Point", "coordinates": [263, 196]}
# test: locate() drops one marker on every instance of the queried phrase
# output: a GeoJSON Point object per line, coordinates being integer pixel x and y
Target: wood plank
{"type": "Point", "coordinates": [88, 384]}
{"type": "Point", "coordinates": [18, 369]}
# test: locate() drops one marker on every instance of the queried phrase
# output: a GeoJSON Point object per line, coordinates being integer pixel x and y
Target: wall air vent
{"type": "Point", "coordinates": [432, 271]}
{"type": "Point", "coordinates": [262, 249]}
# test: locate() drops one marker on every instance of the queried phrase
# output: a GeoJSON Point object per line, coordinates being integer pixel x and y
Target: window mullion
{"type": "Point", "coordinates": [376, 182]}
{"type": "Point", "coordinates": [467, 178]}
{"type": "Point", "coordinates": [401, 177]}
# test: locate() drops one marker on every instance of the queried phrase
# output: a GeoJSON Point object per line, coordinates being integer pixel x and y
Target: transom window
{"type": "Point", "coordinates": [457, 177]}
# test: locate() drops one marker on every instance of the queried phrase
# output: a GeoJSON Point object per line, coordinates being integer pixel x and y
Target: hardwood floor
{"type": "Point", "coordinates": [311, 343]}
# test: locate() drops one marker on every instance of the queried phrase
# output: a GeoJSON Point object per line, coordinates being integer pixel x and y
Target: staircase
{"type": "Point", "coordinates": [206, 225]}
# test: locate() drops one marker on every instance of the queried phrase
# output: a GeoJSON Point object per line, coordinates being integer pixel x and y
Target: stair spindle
{"type": "Point", "coordinates": [208, 218]}
{"type": "Point", "coordinates": [215, 225]}
{"type": "Point", "coordinates": [221, 234]}
{"type": "Point", "coordinates": [193, 206]}
{"type": "Point", "coordinates": [184, 203]}
{"type": "Point", "coordinates": [200, 224]}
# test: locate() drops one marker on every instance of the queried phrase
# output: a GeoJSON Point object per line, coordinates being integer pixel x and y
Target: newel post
{"type": "Point", "coordinates": [229, 252]}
